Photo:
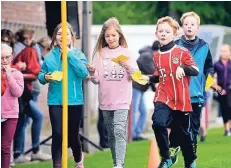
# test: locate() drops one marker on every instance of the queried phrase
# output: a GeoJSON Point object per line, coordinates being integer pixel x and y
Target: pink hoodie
{"type": "Point", "coordinates": [9, 100]}
{"type": "Point", "coordinates": [115, 83]}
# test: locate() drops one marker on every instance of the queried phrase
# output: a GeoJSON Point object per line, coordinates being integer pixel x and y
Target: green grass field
{"type": "Point", "coordinates": [215, 153]}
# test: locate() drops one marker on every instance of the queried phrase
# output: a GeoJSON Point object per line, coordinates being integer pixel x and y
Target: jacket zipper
{"type": "Point", "coordinates": [74, 89]}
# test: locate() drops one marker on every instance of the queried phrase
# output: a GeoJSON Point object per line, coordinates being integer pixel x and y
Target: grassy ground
{"type": "Point", "coordinates": [215, 153]}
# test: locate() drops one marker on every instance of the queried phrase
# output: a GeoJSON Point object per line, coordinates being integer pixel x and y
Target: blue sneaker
{"type": "Point", "coordinates": [165, 163]}
{"type": "Point", "coordinates": [173, 154]}
{"type": "Point", "coordinates": [190, 165]}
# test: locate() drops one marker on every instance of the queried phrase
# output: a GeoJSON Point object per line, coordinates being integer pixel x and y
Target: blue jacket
{"type": "Point", "coordinates": [200, 51]}
{"type": "Point", "coordinates": [77, 70]}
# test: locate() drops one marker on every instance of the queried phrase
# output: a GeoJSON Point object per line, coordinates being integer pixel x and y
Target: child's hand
{"type": "Point", "coordinates": [179, 73]}
{"type": "Point", "coordinates": [122, 63]}
{"type": "Point", "coordinates": [48, 77]}
{"type": "Point", "coordinates": [91, 70]}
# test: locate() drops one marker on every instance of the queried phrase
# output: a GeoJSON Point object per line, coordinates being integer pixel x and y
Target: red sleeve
{"type": "Point", "coordinates": [16, 67]}
{"type": "Point", "coordinates": [3, 83]}
{"type": "Point", "coordinates": [32, 64]}
{"type": "Point", "coordinates": [187, 59]}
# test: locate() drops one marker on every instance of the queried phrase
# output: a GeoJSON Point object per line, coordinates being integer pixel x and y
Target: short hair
{"type": "Point", "coordinates": [187, 14]}
{"type": "Point", "coordinates": [5, 46]}
{"type": "Point", "coordinates": [173, 23]}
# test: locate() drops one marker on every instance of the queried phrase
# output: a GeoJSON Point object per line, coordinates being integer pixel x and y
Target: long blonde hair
{"type": "Point", "coordinates": [101, 43]}
{"type": "Point", "coordinates": [53, 43]}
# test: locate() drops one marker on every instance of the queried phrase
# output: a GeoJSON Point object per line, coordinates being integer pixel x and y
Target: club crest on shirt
{"type": "Point", "coordinates": [175, 59]}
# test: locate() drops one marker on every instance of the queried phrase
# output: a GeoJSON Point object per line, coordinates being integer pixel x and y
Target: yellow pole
{"type": "Point", "coordinates": [65, 86]}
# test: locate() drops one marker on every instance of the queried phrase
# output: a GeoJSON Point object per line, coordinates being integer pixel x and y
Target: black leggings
{"type": "Point", "coordinates": [74, 118]}
{"type": "Point", "coordinates": [225, 108]}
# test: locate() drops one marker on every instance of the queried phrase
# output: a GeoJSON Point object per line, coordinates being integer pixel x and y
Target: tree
{"type": "Point", "coordinates": [148, 12]}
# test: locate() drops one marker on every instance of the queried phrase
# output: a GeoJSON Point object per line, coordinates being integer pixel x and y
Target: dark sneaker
{"type": "Point", "coordinates": [173, 154]}
{"type": "Point", "coordinates": [203, 138]}
{"type": "Point", "coordinates": [227, 133]}
{"type": "Point", "coordinates": [190, 165]}
{"type": "Point", "coordinates": [138, 139]}
{"type": "Point", "coordinates": [165, 163]}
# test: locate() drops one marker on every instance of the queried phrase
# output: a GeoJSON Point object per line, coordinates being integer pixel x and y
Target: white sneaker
{"type": "Point", "coordinates": [22, 159]}
{"type": "Point", "coordinates": [80, 164]}
{"type": "Point", "coordinates": [40, 156]}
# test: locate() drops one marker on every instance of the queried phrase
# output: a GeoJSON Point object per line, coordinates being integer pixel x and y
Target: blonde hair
{"type": "Point", "coordinates": [193, 14]}
{"type": "Point", "coordinates": [229, 47]}
{"type": "Point", "coordinates": [101, 43]}
{"type": "Point", "coordinates": [53, 43]}
{"type": "Point", "coordinates": [167, 19]}
{"type": "Point", "coordinates": [5, 46]}
{"type": "Point", "coordinates": [45, 42]}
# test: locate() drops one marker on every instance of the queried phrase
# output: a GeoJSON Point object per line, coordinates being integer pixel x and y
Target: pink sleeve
{"type": "Point", "coordinates": [131, 66]}
{"type": "Point", "coordinates": [15, 82]}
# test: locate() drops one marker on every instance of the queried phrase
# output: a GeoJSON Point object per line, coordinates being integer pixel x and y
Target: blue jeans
{"type": "Point", "coordinates": [138, 105]}
{"type": "Point", "coordinates": [37, 117]}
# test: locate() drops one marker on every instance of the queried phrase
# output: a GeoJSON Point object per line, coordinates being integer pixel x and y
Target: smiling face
{"type": "Point", "coordinates": [59, 37]}
{"type": "Point", "coordinates": [112, 37]}
{"type": "Point", "coordinates": [190, 27]}
{"type": "Point", "coordinates": [165, 33]}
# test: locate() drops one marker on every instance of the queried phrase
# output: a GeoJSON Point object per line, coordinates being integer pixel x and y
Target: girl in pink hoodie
{"type": "Point", "coordinates": [14, 86]}
{"type": "Point", "coordinates": [115, 86]}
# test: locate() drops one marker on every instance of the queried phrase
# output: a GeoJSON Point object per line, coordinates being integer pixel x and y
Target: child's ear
{"type": "Point", "coordinates": [156, 34]}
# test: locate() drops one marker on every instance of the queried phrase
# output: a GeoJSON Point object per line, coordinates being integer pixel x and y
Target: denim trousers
{"type": "Point", "coordinates": [138, 106]}
{"type": "Point", "coordinates": [36, 115]}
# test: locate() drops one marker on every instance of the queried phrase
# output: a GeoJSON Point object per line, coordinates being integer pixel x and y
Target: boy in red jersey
{"type": "Point", "coordinates": [172, 99]}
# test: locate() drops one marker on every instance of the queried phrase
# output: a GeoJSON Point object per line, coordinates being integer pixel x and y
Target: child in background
{"type": "Point", "coordinates": [115, 86]}
{"type": "Point", "coordinates": [12, 86]}
{"type": "Point", "coordinates": [172, 100]}
{"type": "Point", "coordinates": [223, 71]}
{"type": "Point", "coordinates": [77, 71]}
{"type": "Point", "coordinates": [200, 52]}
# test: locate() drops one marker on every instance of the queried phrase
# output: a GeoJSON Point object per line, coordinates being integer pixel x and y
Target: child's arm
{"type": "Point", "coordinates": [130, 66]}
{"type": "Point", "coordinates": [189, 65]}
{"type": "Point", "coordinates": [208, 66]}
{"type": "Point", "coordinates": [154, 78]}
{"type": "Point", "coordinates": [93, 71]}
{"type": "Point", "coordinates": [78, 62]}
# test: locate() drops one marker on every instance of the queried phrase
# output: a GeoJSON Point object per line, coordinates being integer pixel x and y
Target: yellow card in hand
{"type": "Point", "coordinates": [139, 78]}
{"type": "Point", "coordinates": [121, 58]}
{"type": "Point", "coordinates": [57, 75]}
{"type": "Point", "coordinates": [209, 82]}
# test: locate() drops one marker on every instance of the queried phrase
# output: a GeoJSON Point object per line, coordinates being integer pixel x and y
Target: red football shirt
{"type": "Point", "coordinates": [173, 92]}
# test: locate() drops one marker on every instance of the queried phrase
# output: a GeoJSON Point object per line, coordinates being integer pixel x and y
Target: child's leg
{"type": "Point", "coordinates": [56, 125]}
{"type": "Point", "coordinates": [116, 124]}
{"type": "Point", "coordinates": [181, 128]}
{"type": "Point", "coordinates": [195, 118]}
{"type": "Point", "coordinates": [161, 118]}
{"type": "Point", "coordinates": [74, 120]}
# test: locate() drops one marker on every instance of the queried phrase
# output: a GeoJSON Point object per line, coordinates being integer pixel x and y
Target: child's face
{"type": "Point", "coordinates": [112, 37]}
{"type": "Point", "coordinates": [59, 37]}
{"type": "Point", "coordinates": [190, 26]}
{"type": "Point", "coordinates": [225, 52]}
{"type": "Point", "coordinates": [165, 33]}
